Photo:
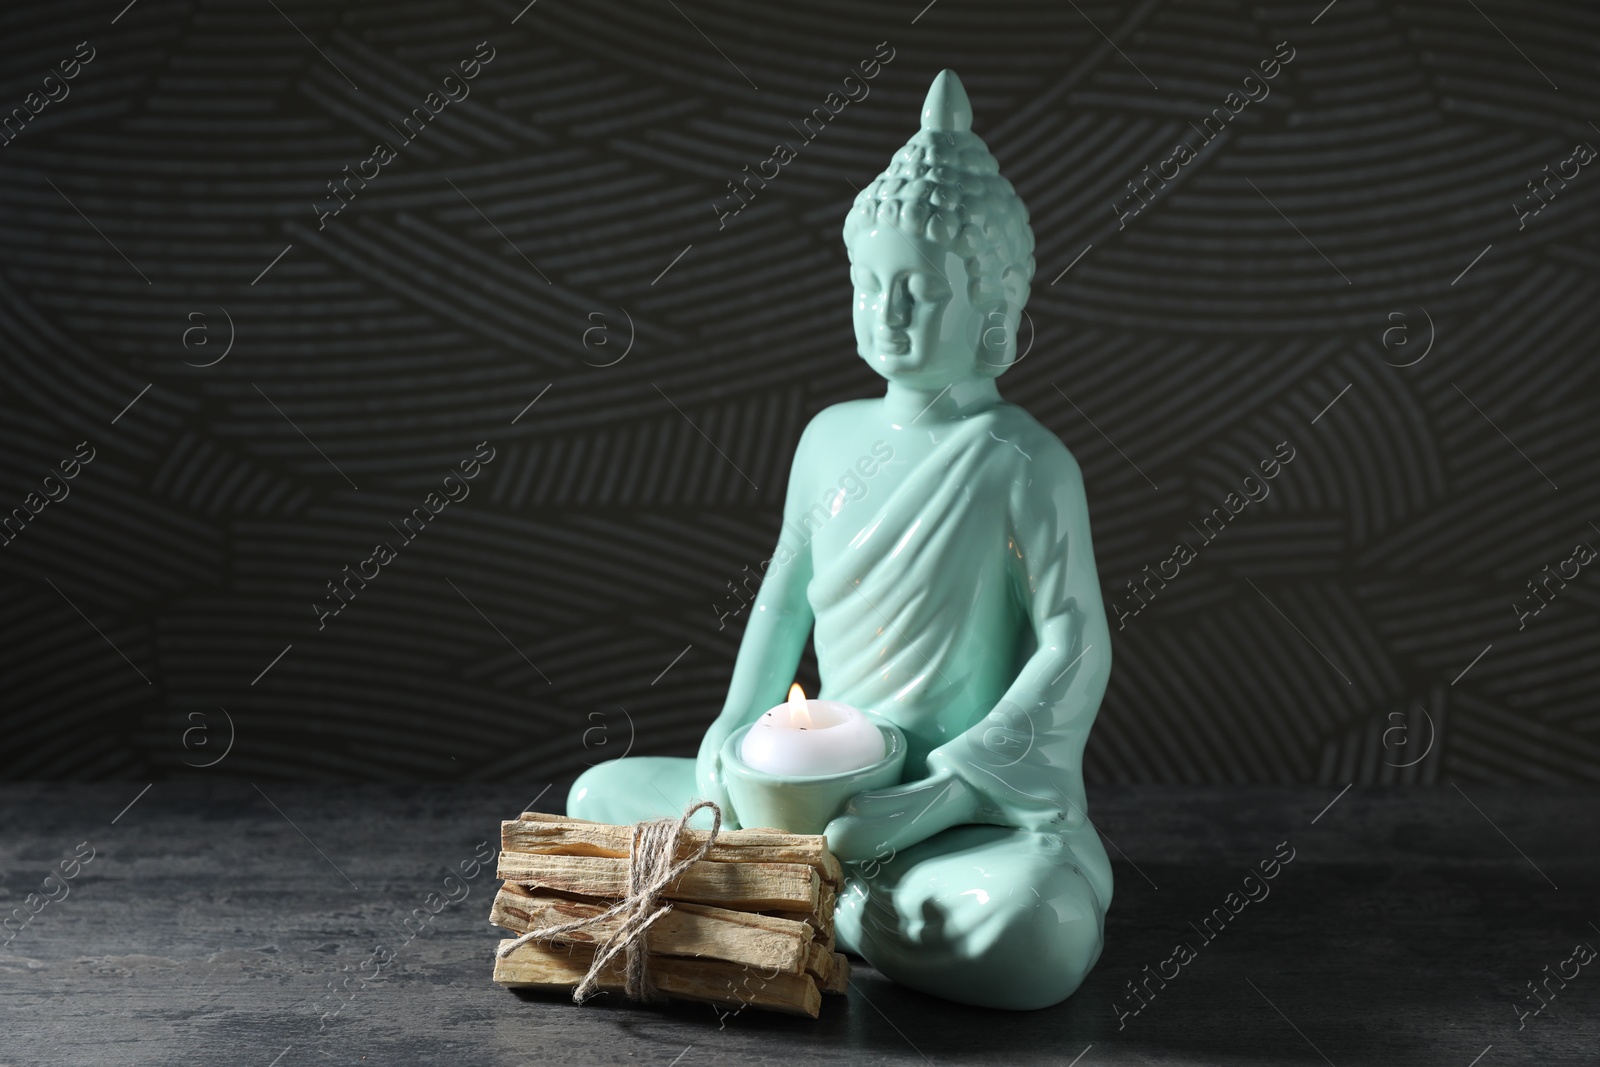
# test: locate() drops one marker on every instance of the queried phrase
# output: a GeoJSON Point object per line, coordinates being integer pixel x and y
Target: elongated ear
{"type": "Point", "coordinates": [997, 349]}
{"type": "Point", "coordinates": [997, 337]}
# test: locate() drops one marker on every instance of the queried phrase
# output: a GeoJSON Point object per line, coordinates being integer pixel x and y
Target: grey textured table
{"type": "Point", "coordinates": [213, 922]}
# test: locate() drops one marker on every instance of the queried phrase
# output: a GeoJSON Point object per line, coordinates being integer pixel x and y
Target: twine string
{"type": "Point", "coordinates": [650, 870]}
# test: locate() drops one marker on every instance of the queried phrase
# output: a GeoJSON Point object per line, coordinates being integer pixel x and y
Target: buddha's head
{"type": "Point", "coordinates": [941, 254]}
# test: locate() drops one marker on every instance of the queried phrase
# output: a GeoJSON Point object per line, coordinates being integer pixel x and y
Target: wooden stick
{"type": "Point", "coordinates": [746, 886]}
{"type": "Point", "coordinates": [839, 980]}
{"type": "Point", "coordinates": [558, 836]}
{"type": "Point", "coordinates": [830, 969]}
{"type": "Point", "coordinates": [744, 937]}
{"type": "Point", "coordinates": [819, 918]}
{"type": "Point", "coordinates": [827, 901]}
{"type": "Point", "coordinates": [535, 965]}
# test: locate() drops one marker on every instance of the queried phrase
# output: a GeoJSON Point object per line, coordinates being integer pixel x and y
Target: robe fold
{"type": "Point", "coordinates": [931, 618]}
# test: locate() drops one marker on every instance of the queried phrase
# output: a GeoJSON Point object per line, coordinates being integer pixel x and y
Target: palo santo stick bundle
{"type": "Point", "coordinates": [748, 917]}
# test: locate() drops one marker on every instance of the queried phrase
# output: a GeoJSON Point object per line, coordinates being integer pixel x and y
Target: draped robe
{"type": "Point", "coordinates": [930, 617]}
{"type": "Point", "coordinates": [960, 603]}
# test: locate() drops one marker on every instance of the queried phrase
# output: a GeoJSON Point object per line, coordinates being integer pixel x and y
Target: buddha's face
{"type": "Point", "coordinates": [914, 321]}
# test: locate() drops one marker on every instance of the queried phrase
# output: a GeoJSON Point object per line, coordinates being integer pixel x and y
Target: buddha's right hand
{"type": "Point", "coordinates": [708, 780]}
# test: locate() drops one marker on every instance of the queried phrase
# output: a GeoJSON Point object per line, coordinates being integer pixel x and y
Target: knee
{"type": "Point", "coordinates": [1045, 952]}
{"type": "Point", "coordinates": [582, 789]}
{"type": "Point", "coordinates": [627, 790]}
{"type": "Point", "coordinates": [595, 793]}
{"type": "Point", "coordinates": [958, 938]}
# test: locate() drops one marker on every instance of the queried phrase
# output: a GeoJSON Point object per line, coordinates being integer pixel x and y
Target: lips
{"type": "Point", "coordinates": [894, 344]}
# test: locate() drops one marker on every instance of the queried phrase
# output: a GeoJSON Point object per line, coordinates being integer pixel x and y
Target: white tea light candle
{"type": "Point", "coordinates": [811, 738]}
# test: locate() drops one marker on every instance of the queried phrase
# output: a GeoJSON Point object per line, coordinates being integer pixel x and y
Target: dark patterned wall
{"type": "Point", "coordinates": [1352, 267]}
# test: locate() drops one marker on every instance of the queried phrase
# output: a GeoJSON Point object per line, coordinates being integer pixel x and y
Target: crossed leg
{"type": "Point", "coordinates": [984, 915]}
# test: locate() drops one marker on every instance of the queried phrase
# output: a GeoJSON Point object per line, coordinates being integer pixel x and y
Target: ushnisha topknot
{"type": "Point", "coordinates": [944, 185]}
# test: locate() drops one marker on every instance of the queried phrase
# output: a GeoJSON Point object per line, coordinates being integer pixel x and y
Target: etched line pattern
{"type": "Point", "coordinates": [413, 325]}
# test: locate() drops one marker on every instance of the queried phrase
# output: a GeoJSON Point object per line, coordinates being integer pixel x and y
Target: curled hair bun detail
{"type": "Point", "coordinates": [946, 186]}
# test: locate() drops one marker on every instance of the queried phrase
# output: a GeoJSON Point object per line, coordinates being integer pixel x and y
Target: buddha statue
{"type": "Point", "coordinates": [956, 598]}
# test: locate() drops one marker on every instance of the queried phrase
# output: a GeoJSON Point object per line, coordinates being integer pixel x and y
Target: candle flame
{"type": "Point", "coordinates": [799, 713]}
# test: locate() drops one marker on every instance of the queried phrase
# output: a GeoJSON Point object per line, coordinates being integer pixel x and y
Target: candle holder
{"type": "Point", "coordinates": [804, 804]}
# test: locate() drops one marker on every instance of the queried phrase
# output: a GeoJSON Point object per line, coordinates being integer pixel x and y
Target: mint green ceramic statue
{"type": "Point", "coordinates": [951, 582]}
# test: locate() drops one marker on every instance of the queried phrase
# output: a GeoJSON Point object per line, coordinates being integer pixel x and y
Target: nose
{"type": "Point", "coordinates": [894, 305]}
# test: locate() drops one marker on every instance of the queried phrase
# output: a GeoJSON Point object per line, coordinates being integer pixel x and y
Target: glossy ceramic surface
{"type": "Point", "coordinates": [937, 540]}
{"type": "Point", "coordinates": [804, 804]}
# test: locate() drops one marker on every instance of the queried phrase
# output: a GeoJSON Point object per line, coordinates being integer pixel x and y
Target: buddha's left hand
{"type": "Point", "coordinates": [881, 822]}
